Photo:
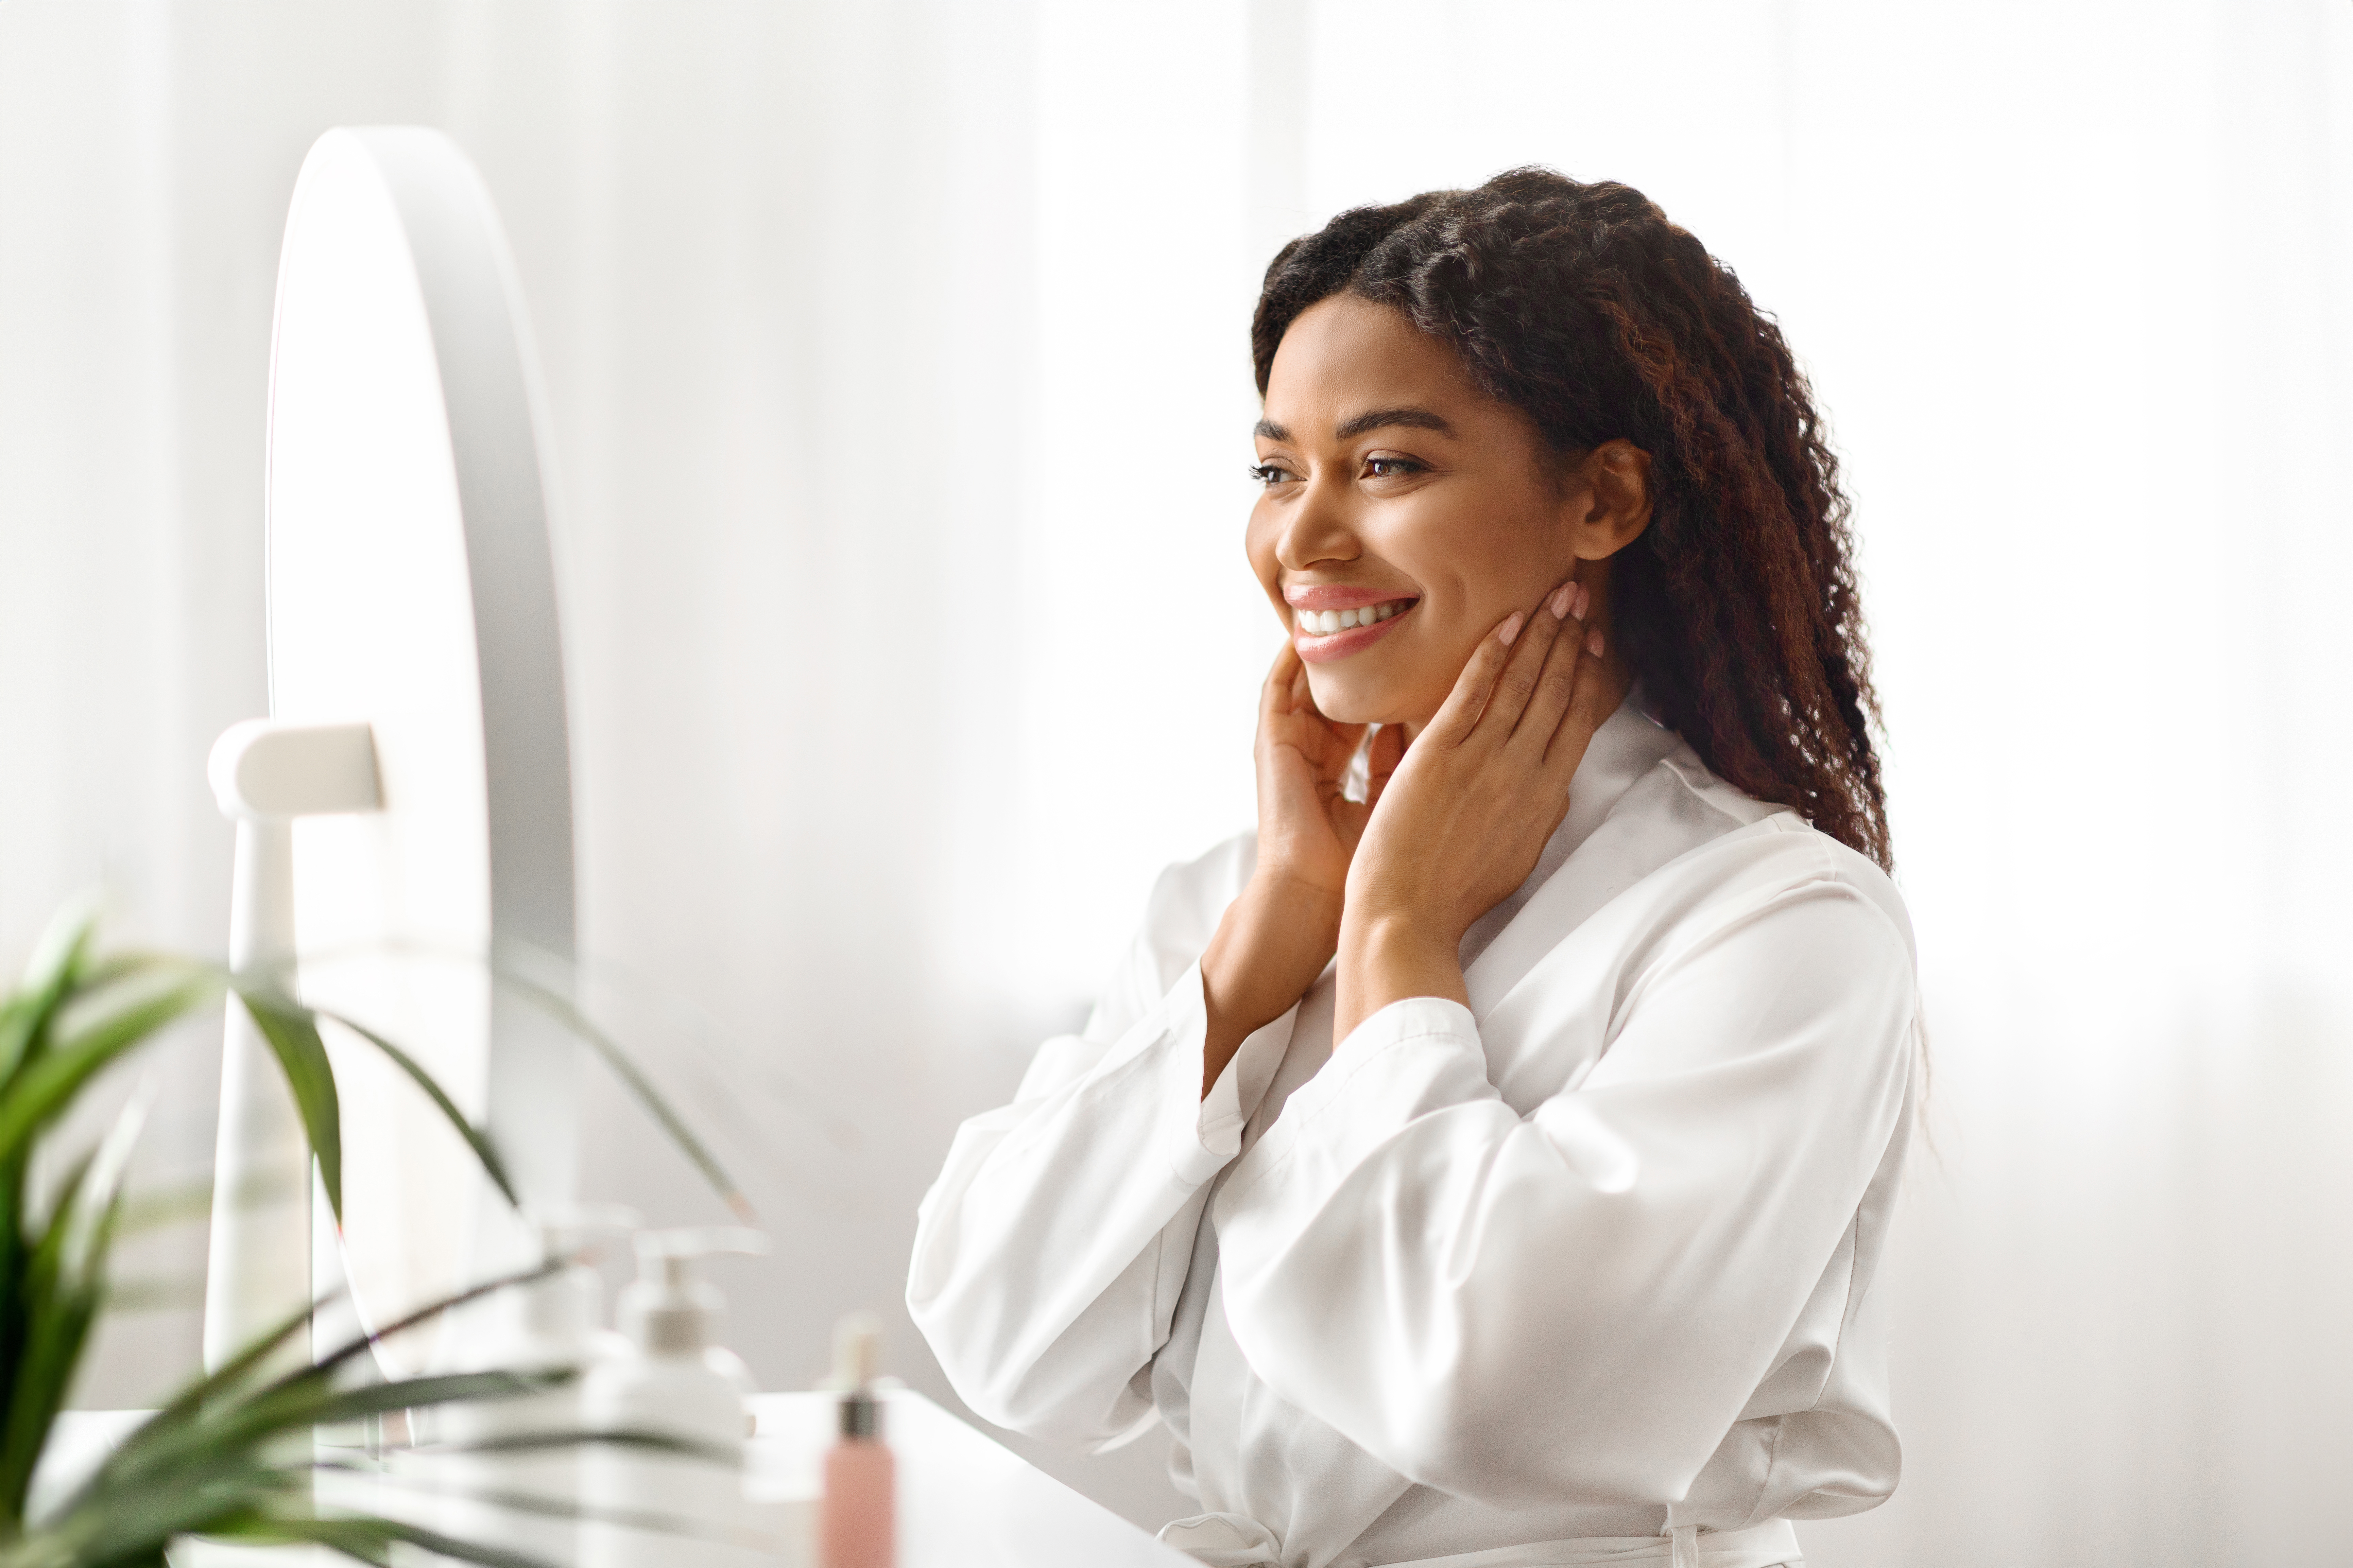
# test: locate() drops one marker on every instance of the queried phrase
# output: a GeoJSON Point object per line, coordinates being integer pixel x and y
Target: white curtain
{"type": "Point", "coordinates": [898, 362]}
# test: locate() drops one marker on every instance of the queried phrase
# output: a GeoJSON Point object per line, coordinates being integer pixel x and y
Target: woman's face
{"type": "Point", "coordinates": [1402, 502]}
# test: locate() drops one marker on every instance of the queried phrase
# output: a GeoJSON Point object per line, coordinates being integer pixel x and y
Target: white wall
{"type": "Point", "coordinates": [895, 349]}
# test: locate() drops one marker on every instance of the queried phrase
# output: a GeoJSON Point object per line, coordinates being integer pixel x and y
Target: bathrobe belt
{"type": "Point", "coordinates": [1236, 1540]}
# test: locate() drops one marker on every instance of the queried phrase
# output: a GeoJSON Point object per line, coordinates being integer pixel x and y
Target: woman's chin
{"type": "Point", "coordinates": [1349, 702]}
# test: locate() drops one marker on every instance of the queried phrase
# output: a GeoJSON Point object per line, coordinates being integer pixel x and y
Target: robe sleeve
{"type": "Point", "coordinates": [1049, 1253]}
{"type": "Point", "coordinates": [1577, 1303]}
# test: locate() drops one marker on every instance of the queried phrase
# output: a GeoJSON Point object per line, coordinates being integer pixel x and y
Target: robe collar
{"type": "Point", "coordinates": [1640, 799]}
{"type": "Point", "coordinates": [1630, 743]}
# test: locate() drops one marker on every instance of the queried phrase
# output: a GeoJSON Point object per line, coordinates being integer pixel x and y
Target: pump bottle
{"type": "Point", "coordinates": [671, 1381]}
{"type": "Point", "coordinates": [550, 1326]}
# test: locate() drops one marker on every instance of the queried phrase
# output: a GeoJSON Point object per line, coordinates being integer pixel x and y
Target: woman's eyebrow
{"type": "Point", "coordinates": [1378, 418]}
{"type": "Point", "coordinates": [1373, 419]}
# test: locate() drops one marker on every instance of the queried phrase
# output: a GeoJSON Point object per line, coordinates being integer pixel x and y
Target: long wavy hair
{"type": "Point", "coordinates": [1584, 308]}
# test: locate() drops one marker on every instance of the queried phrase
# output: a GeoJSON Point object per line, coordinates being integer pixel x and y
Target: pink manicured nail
{"type": "Point", "coordinates": [1562, 599]}
{"type": "Point", "coordinates": [1593, 644]}
{"type": "Point", "coordinates": [1510, 628]}
{"type": "Point", "coordinates": [1583, 601]}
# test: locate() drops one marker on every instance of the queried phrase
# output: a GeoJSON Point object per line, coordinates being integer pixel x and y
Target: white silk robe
{"type": "Point", "coordinates": [1592, 1257]}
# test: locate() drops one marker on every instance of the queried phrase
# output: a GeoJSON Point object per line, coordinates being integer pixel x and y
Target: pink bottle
{"type": "Point", "coordinates": [857, 1523]}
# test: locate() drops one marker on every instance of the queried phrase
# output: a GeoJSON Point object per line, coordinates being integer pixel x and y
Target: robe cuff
{"type": "Point", "coordinates": [1413, 1057]}
{"type": "Point", "coordinates": [1201, 1134]}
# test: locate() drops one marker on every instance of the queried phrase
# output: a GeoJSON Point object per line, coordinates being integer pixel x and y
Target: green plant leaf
{"type": "Point", "coordinates": [47, 1082]}
{"type": "Point", "coordinates": [220, 1413]}
{"type": "Point", "coordinates": [56, 1317]}
{"type": "Point", "coordinates": [50, 978]}
{"type": "Point", "coordinates": [185, 1407]}
{"type": "Point", "coordinates": [562, 1010]}
{"type": "Point", "coordinates": [533, 1442]}
{"type": "Point", "coordinates": [292, 1031]}
{"type": "Point", "coordinates": [62, 1291]}
{"type": "Point", "coordinates": [371, 1540]}
{"type": "Point", "coordinates": [647, 1519]}
{"type": "Point", "coordinates": [132, 1526]}
{"type": "Point", "coordinates": [204, 1464]}
{"type": "Point", "coordinates": [477, 1139]}
{"type": "Point", "coordinates": [318, 1404]}
{"type": "Point", "coordinates": [205, 1460]}
{"type": "Point", "coordinates": [352, 1349]}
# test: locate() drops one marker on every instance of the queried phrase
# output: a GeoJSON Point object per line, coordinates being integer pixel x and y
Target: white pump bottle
{"type": "Point", "coordinates": [672, 1381]}
{"type": "Point", "coordinates": [552, 1325]}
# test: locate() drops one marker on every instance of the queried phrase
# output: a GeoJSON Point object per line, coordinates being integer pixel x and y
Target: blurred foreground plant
{"type": "Point", "coordinates": [231, 1456]}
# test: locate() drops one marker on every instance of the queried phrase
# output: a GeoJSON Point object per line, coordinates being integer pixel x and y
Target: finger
{"type": "Point", "coordinates": [1286, 694]}
{"type": "Point", "coordinates": [1280, 721]}
{"type": "Point", "coordinates": [1517, 684]}
{"type": "Point", "coordinates": [1274, 697]}
{"type": "Point", "coordinates": [1455, 716]}
{"type": "Point", "coordinates": [1557, 681]}
{"type": "Point", "coordinates": [1288, 714]}
{"type": "Point", "coordinates": [1599, 692]}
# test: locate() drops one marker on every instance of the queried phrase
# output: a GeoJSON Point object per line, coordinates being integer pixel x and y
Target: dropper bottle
{"type": "Point", "coordinates": [857, 1524]}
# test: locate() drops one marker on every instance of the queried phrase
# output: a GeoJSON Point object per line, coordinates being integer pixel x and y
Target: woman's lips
{"type": "Point", "coordinates": [1322, 647]}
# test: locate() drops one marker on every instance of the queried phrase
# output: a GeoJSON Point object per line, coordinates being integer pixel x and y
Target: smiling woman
{"type": "Point", "coordinates": [1492, 1165]}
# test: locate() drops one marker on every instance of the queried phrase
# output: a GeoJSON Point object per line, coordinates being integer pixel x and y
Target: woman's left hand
{"type": "Point", "coordinates": [1470, 809]}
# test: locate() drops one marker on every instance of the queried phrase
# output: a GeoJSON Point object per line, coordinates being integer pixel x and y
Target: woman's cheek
{"type": "Point", "coordinates": [1258, 546]}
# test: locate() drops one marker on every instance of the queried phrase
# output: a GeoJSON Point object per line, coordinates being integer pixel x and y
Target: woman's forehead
{"type": "Point", "coordinates": [1346, 350]}
{"type": "Point", "coordinates": [1346, 359]}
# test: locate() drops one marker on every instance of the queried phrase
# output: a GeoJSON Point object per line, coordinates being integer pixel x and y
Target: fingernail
{"type": "Point", "coordinates": [1593, 644]}
{"type": "Point", "coordinates": [1584, 600]}
{"type": "Point", "coordinates": [1510, 628]}
{"type": "Point", "coordinates": [1562, 599]}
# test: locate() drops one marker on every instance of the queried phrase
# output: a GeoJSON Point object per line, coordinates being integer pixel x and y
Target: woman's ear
{"type": "Point", "coordinates": [1610, 501]}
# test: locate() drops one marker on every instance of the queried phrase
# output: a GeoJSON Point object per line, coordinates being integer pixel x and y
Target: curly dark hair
{"type": "Point", "coordinates": [1582, 306]}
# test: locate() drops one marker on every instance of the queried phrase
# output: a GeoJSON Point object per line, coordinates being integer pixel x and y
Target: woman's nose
{"type": "Point", "coordinates": [1316, 529]}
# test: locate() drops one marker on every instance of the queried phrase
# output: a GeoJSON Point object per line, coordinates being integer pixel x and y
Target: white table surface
{"type": "Point", "coordinates": [965, 1501]}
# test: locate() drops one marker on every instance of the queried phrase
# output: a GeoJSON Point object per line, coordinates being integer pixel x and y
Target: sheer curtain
{"type": "Point", "coordinates": [897, 358]}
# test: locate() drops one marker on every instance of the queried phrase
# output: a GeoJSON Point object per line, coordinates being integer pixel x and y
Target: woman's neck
{"type": "Point", "coordinates": [1616, 671]}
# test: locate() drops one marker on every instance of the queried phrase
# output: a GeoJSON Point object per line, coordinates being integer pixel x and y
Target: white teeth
{"type": "Point", "coordinates": [1324, 623]}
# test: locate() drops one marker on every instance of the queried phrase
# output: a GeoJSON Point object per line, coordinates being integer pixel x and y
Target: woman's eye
{"type": "Point", "coordinates": [1390, 468]}
{"type": "Point", "coordinates": [1271, 473]}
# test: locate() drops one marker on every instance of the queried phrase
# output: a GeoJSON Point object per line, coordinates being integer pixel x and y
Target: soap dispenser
{"type": "Point", "coordinates": [551, 1325]}
{"type": "Point", "coordinates": [672, 1381]}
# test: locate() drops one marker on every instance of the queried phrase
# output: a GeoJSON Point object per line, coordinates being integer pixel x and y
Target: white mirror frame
{"type": "Point", "coordinates": [412, 600]}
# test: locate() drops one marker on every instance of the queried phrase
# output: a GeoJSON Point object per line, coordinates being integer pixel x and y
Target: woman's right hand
{"type": "Point", "coordinates": [1276, 937]}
